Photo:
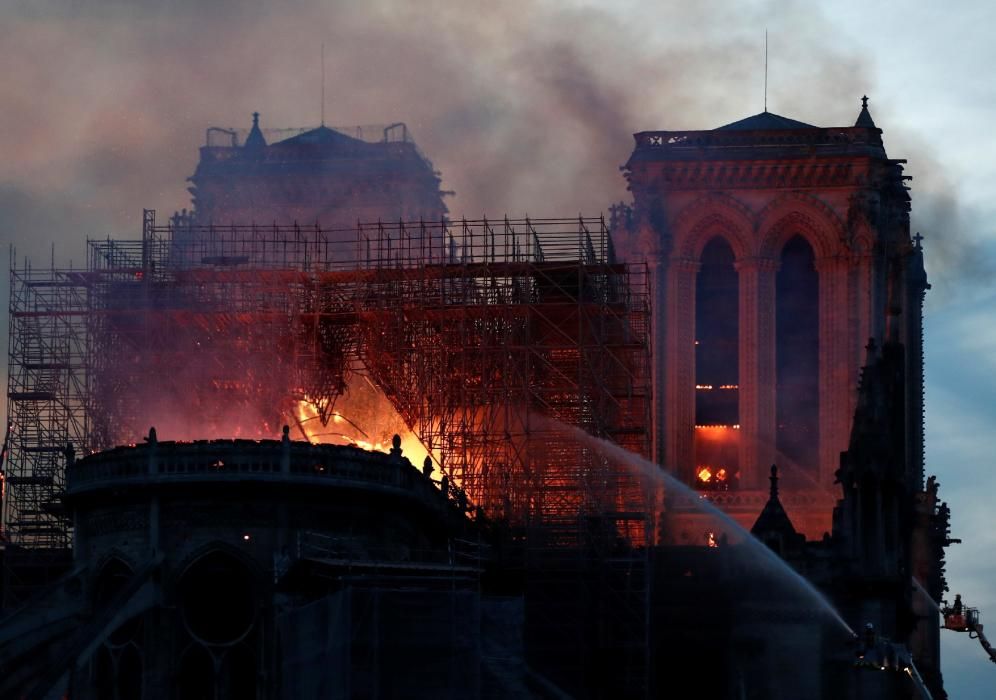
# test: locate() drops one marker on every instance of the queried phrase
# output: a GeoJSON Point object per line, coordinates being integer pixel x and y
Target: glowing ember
{"type": "Point", "coordinates": [363, 417]}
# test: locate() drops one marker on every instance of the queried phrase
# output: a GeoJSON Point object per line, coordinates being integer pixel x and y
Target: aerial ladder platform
{"type": "Point", "coordinates": [959, 618]}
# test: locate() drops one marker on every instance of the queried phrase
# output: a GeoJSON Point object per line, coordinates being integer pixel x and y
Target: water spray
{"type": "Point", "coordinates": [654, 473]}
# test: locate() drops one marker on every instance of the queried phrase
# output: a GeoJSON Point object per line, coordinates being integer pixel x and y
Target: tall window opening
{"type": "Point", "coordinates": [717, 372]}
{"type": "Point", "coordinates": [217, 602]}
{"type": "Point", "coordinates": [118, 666]}
{"type": "Point", "coordinates": [797, 364]}
{"type": "Point", "coordinates": [217, 597]}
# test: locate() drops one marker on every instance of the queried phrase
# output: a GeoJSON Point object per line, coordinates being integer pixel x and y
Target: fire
{"type": "Point", "coordinates": [363, 417]}
{"type": "Point", "coordinates": [716, 478]}
{"type": "Point", "coordinates": [717, 458]}
{"type": "Point", "coordinates": [707, 474]}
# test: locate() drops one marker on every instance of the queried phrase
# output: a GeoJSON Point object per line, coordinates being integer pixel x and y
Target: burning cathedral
{"type": "Point", "coordinates": [401, 454]}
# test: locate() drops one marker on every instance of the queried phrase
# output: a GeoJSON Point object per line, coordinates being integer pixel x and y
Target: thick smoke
{"type": "Point", "coordinates": [955, 253]}
{"type": "Point", "coordinates": [525, 107]}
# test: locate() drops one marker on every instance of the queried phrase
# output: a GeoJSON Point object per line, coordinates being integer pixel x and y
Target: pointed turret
{"type": "Point", "coordinates": [864, 117]}
{"type": "Point", "coordinates": [773, 520]}
{"type": "Point", "coordinates": [773, 525]}
{"type": "Point", "coordinates": [255, 140]}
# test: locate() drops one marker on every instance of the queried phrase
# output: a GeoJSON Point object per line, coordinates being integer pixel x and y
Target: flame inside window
{"type": "Point", "coordinates": [717, 452]}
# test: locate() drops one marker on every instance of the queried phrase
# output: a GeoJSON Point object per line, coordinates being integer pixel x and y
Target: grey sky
{"type": "Point", "coordinates": [527, 107]}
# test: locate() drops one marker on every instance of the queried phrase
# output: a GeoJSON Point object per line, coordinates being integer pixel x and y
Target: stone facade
{"type": "Point", "coordinates": [757, 185]}
{"type": "Point", "coordinates": [198, 567]}
{"type": "Point", "coordinates": [322, 176]}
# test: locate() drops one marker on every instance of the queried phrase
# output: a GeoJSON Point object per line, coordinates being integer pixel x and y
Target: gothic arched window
{"type": "Point", "coordinates": [217, 602]}
{"type": "Point", "coordinates": [717, 373]}
{"type": "Point", "coordinates": [797, 327]}
{"type": "Point", "coordinates": [117, 671]}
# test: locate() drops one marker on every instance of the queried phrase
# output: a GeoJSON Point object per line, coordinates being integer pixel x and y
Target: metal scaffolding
{"type": "Point", "coordinates": [492, 340]}
{"type": "Point", "coordinates": [486, 336]}
{"type": "Point", "coordinates": [47, 400]}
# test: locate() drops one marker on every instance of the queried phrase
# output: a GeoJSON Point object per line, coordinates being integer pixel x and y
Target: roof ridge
{"type": "Point", "coordinates": [765, 121]}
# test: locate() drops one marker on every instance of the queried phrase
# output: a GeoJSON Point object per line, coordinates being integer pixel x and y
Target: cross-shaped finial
{"type": "Point", "coordinates": [864, 101]}
{"type": "Point", "coordinates": [255, 118]}
{"type": "Point", "coordinates": [916, 241]}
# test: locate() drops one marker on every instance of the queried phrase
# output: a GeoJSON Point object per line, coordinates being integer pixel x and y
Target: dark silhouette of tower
{"type": "Point", "coordinates": [322, 175]}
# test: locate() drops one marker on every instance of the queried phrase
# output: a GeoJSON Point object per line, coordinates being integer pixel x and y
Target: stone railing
{"type": "Point", "coordinates": [751, 500]}
{"type": "Point", "coordinates": [286, 461]}
{"type": "Point", "coordinates": [832, 137]}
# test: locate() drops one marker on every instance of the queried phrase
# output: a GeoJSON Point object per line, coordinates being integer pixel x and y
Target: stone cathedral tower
{"type": "Point", "coordinates": [778, 249]}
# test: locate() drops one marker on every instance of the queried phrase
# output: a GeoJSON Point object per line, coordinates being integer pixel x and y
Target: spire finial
{"type": "Point", "coordinates": [917, 240]}
{"type": "Point", "coordinates": [774, 482]}
{"type": "Point", "coordinates": [255, 140]}
{"type": "Point", "coordinates": [864, 117]}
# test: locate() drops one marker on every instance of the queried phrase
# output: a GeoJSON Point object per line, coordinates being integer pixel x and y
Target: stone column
{"type": "Point", "coordinates": [680, 362]}
{"type": "Point", "coordinates": [657, 244]}
{"type": "Point", "coordinates": [757, 369]}
{"type": "Point", "coordinates": [659, 335]}
{"type": "Point", "coordinates": [834, 366]}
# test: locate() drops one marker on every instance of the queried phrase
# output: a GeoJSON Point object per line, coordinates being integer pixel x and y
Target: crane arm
{"type": "Point", "coordinates": [977, 631]}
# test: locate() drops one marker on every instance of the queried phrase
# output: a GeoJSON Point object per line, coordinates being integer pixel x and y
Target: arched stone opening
{"type": "Point", "coordinates": [717, 381]}
{"type": "Point", "coordinates": [217, 598]}
{"type": "Point", "coordinates": [797, 330]}
{"type": "Point", "coordinates": [118, 663]}
{"type": "Point", "coordinates": [195, 677]}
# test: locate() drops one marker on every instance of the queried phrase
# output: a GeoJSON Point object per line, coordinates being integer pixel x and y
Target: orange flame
{"type": "Point", "coordinates": [363, 417]}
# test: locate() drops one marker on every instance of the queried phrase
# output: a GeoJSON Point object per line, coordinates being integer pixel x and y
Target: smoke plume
{"type": "Point", "coordinates": [526, 107]}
